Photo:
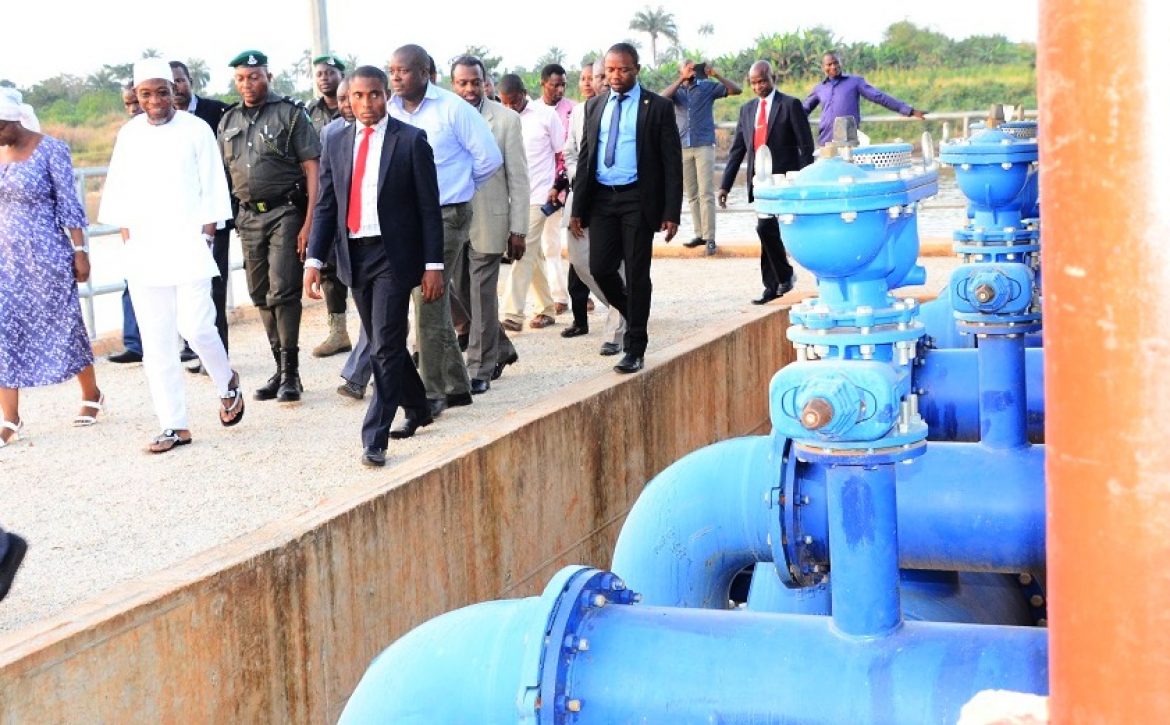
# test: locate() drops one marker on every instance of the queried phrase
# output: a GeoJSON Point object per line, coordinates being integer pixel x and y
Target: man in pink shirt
{"type": "Point", "coordinates": [544, 139]}
{"type": "Point", "coordinates": [552, 93]}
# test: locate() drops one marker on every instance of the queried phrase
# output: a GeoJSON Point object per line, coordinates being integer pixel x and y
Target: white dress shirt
{"type": "Point", "coordinates": [544, 138]}
{"type": "Point", "coordinates": [370, 226]}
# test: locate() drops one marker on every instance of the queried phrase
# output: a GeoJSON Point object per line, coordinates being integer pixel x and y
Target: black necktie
{"type": "Point", "coordinates": [615, 122]}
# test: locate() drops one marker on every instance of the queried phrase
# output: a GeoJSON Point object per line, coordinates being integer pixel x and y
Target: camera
{"type": "Point", "coordinates": [700, 70]}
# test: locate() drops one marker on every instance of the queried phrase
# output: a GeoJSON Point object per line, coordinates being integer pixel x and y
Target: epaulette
{"type": "Point", "coordinates": [230, 106]}
{"type": "Point", "coordinates": [294, 101]}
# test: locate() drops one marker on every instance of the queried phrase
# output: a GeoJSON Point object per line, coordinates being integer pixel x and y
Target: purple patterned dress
{"type": "Point", "coordinates": [42, 336]}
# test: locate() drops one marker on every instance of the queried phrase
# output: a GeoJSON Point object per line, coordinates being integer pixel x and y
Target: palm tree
{"type": "Point", "coordinates": [152, 53]}
{"type": "Point", "coordinates": [655, 23]}
{"type": "Point", "coordinates": [553, 55]}
{"type": "Point", "coordinates": [706, 29]}
{"type": "Point", "coordinates": [200, 74]}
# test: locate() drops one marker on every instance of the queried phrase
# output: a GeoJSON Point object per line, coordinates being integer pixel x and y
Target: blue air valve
{"type": "Point", "coordinates": [996, 290]}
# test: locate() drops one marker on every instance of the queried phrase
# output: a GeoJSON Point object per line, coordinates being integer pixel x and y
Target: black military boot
{"type": "Point", "coordinates": [290, 377]}
{"type": "Point", "coordinates": [268, 390]}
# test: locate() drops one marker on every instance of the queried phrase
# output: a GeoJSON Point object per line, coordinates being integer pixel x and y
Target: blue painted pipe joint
{"type": "Point", "coordinates": [583, 652]}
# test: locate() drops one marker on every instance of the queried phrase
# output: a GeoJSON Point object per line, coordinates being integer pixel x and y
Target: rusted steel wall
{"type": "Point", "coordinates": [278, 626]}
{"type": "Point", "coordinates": [1106, 193]}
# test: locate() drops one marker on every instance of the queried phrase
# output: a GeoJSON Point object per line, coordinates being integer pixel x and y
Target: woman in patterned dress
{"type": "Point", "coordinates": [42, 337]}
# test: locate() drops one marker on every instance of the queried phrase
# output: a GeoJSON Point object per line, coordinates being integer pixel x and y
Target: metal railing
{"type": "Point", "coordinates": [88, 290]}
{"type": "Point", "coordinates": [966, 117]}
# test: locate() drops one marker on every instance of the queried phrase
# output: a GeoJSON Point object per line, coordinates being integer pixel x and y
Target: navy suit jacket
{"type": "Point", "coordinates": [408, 202]}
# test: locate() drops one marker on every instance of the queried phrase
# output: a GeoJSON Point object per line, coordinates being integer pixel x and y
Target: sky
{"type": "Point", "coordinates": [77, 37]}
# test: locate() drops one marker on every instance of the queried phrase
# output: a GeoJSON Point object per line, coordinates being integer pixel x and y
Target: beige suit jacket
{"type": "Point", "coordinates": [500, 204]}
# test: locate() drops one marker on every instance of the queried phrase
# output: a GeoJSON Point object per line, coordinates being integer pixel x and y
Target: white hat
{"type": "Point", "coordinates": [148, 68]}
{"type": "Point", "coordinates": [13, 108]}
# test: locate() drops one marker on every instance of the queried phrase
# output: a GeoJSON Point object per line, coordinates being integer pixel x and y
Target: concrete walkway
{"type": "Point", "coordinates": [99, 511]}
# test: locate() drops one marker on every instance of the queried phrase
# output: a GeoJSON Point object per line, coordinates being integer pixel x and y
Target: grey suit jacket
{"type": "Point", "coordinates": [500, 204]}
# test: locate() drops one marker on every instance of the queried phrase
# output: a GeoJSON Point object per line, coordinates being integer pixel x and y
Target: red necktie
{"type": "Point", "coordinates": [761, 127]}
{"type": "Point", "coordinates": [354, 220]}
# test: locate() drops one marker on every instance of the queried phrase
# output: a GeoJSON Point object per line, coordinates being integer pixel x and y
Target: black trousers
{"type": "Point", "coordinates": [774, 266]}
{"type": "Point", "coordinates": [578, 298]}
{"type": "Point", "coordinates": [618, 231]}
{"type": "Point", "coordinates": [382, 303]}
{"type": "Point", "coordinates": [219, 250]}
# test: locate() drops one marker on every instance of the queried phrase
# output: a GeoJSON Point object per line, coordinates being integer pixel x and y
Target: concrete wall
{"type": "Point", "coordinates": [278, 626]}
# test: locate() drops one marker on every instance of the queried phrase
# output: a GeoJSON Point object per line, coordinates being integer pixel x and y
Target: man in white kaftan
{"type": "Point", "coordinates": [166, 190]}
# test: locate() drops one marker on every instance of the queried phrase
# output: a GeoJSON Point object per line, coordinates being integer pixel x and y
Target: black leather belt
{"type": "Point", "coordinates": [617, 189]}
{"type": "Point", "coordinates": [360, 241]}
{"type": "Point", "coordinates": [264, 206]}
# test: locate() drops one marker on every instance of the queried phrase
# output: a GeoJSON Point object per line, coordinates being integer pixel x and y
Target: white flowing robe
{"type": "Point", "coordinates": [164, 183]}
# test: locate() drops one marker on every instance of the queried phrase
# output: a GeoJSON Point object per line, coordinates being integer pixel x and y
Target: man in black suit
{"type": "Point", "coordinates": [628, 186]}
{"type": "Point", "coordinates": [779, 122]}
{"type": "Point", "coordinates": [210, 110]}
{"type": "Point", "coordinates": [379, 203]}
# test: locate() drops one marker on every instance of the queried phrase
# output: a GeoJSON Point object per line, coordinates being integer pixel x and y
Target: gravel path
{"type": "Point", "coordinates": [99, 512]}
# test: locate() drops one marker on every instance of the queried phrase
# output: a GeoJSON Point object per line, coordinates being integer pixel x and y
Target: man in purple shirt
{"type": "Point", "coordinates": [840, 95]}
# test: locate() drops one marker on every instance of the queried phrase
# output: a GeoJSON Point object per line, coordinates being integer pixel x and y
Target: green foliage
{"type": "Point", "coordinates": [655, 23]}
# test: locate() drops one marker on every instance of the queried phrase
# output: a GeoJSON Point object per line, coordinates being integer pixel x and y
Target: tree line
{"type": "Point", "coordinates": [906, 55]}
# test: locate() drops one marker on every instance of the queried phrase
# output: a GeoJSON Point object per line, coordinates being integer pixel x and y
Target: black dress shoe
{"type": "Point", "coordinates": [610, 348]}
{"type": "Point", "coordinates": [454, 400]}
{"type": "Point", "coordinates": [126, 356]}
{"type": "Point", "coordinates": [478, 386]}
{"type": "Point", "coordinates": [374, 457]}
{"type": "Point", "coordinates": [575, 330]}
{"type": "Point", "coordinates": [436, 406]}
{"type": "Point", "coordinates": [411, 422]}
{"type": "Point", "coordinates": [187, 355]}
{"type": "Point", "coordinates": [513, 358]}
{"type": "Point", "coordinates": [696, 242]}
{"type": "Point", "coordinates": [630, 363]}
{"type": "Point", "coordinates": [350, 389]}
{"type": "Point", "coordinates": [766, 297]}
{"type": "Point", "coordinates": [13, 556]}
{"type": "Point", "coordinates": [786, 287]}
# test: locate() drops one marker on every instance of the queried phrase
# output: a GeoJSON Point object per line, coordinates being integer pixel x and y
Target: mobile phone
{"type": "Point", "coordinates": [700, 70]}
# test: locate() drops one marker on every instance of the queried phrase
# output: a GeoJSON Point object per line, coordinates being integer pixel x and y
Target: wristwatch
{"type": "Point", "coordinates": [83, 248]}
{"type": "Point", "coordinates": [209, 238]}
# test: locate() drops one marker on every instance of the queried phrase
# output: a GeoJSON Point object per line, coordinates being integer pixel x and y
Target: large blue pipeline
{"type": "Point", "coordinates": [893, 578]}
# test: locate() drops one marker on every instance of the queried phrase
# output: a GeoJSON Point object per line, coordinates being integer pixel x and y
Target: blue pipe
{"type": "Point", "coordinates": [700, 522]}
{"type": "Point", "coordinates": [948, 396]}
{"type": "Point", "coordinates": [927, 596]}
{"type": "Point", "coordinates": [1002, 393]}
{"type": "Point", "coordinates": [863, 534]}
{"type": "Point", "coordinates": [705, 517]}
{"type": "Point", "coordinates": [576, 654]}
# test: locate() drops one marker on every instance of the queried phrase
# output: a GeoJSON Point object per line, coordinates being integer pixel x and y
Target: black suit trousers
{"type": "Point", "coordinates": [618, 231]}
{"type": "Point", "coordinates": [774, 266]}
{"type": "Point", "coordinates": [382, 304]}
{"type": "Point", "coordinates": [219, 251]}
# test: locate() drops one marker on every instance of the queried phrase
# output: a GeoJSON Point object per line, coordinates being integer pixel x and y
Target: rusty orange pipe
{"type": "Point", "coordinates": [1105, 180]}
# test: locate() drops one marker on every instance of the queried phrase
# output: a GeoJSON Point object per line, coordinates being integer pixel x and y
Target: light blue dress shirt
{"type": "Point", "coordinates": [466, 153]}
{"type": "Point", "coordinates": [625, 168]}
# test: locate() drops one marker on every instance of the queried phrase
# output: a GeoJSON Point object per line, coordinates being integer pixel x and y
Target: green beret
{"type": "Point", "coordinates": [330, 60]}
{"type": "Point", "coordinates": [249, 58]}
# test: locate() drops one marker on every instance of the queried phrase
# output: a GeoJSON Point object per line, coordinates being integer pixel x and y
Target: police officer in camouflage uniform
{"type": "Point", "coordinates": [271, 150]}
{"type": "Point", "coordinates": [329, 71]}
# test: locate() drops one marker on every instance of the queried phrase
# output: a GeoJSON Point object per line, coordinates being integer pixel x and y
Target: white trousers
{"type": "Point", "coordinates": [552, 240]}
{"type": "Point", "coordinates": [163, 314]}
{"type": "Point", "coordinates": [529, 271]}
